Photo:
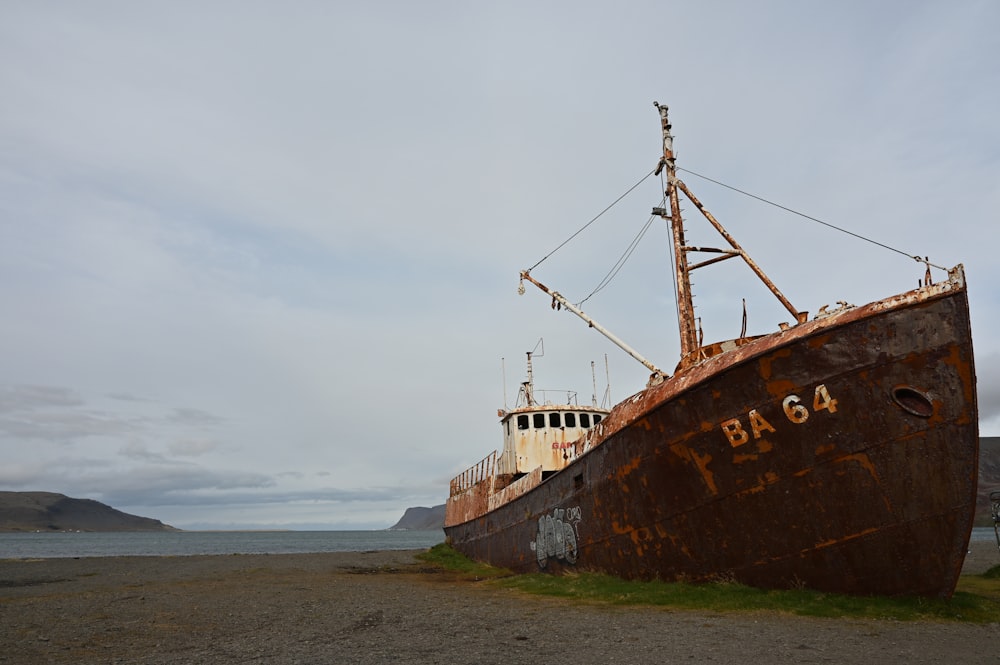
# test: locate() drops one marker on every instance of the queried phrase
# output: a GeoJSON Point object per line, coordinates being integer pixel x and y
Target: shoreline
{"type": "Point", "coordinates": [982, 555]}
{"type": "Point", "coordinates": [382, 606]}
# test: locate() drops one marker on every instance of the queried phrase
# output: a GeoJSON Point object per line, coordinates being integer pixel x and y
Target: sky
{"type": "Point", "coordinates": [259, 261]}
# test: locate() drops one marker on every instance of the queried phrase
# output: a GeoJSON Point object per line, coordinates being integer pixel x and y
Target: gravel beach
{"type": "Point", "coordinates": [380, 607]}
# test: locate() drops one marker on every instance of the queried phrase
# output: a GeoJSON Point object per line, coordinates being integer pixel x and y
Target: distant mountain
{"type": "Point", "coordinates": [989, 477]}
{"type": "Point", "coordinates": [421, 518]}
{"type": "Point", "coordinates": [48, 511]}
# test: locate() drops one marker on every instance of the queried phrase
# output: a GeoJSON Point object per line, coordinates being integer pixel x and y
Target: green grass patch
{"type": "Point", "coordinates": [992, 574]}
{"type": "Point", "coordinates": [986, 585]}
{"type": "Point", "coordinates": [445, 556]}
{"type": "Point", "coordinates": [977, 599]}
{"type": "Point", "coordinates": [733, 597]}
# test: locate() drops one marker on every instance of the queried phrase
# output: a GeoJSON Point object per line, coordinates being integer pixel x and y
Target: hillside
{"type": "Point", "coordinates": [989, 477]}
{"type": "Point", "coordinates": [48, 511]}
{"type": "Point", "coordinates": [421, 518]}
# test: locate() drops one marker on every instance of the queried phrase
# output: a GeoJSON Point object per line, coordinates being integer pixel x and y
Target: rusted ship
{"type": "Point", "coordinates": [837, 453]}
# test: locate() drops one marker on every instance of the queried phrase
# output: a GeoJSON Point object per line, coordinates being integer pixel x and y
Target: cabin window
{"type": "Point", "coordinates": [570, 419]}
{"type": "Point", "coordinates": [522, 421]}
{"type": "Point", "coordinates": [539, 420]}
{"type": "Point", "coordinates": [584, 420]}
{"type": "Point", "coordinates": [597, 418]}
{"type": "Point", "coordinates": [555, 420]}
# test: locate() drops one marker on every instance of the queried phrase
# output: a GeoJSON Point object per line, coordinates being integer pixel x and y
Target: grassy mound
{"type": "Point", "coordinates": [977, 599]}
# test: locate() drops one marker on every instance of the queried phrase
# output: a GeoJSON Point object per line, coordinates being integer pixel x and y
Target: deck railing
{"type": "Point", "coordinates": [485, 468]}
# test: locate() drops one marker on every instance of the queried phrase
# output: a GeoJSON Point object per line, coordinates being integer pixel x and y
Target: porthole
{"type": "Point", "coordinates": [913, 401]}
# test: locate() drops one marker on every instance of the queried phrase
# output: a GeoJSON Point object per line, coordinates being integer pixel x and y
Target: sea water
{"type": "Point", "coordinates": [183, 543]}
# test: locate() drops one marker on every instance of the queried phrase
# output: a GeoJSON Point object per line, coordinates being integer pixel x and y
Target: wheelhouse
{"type": "Point", "coordinates": [541, 436]}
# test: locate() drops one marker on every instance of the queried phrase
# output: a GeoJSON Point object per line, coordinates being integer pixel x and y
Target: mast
{"type": "Point", "coordinates": [691, 352]}
{"type": "Point", "coordinates": [529, 385]}
{"type": "Point", "coordinates": [685, 305]}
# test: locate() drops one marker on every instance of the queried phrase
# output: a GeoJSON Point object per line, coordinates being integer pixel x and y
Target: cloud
{"type": "Point", "coordinates": [125, 397]}
{"type": "Point", "coordinates": [137, 451]}
{"type": "Point", "coordinates": [22, 473]}
{"type": "Point", "coordinates": [193, 418]}
{"type": "Point", "coordinates": [155, 481]}
{"type": "Point", "coordinates": [192, 447]}
{"type": "Point", "coordinates": [64, 426]}
{"type": "Point", "coordinates": [31, 398]}
{"type": "Point", "coordinates": [205, 496]}
{"type": "Point", "coordinates": [283, 259]}
{"type": "Point", "coordinates": [988, 387]}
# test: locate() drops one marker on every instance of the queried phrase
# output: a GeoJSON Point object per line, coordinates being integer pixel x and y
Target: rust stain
{"type": "Point", "coordinates": [627, 469]}
{"type": "Point", "coordinates": [702, 461]}
{"type": "Point", "coordinates": [781, 387]}
{"type": "Point", "coordinates": [837, 541]}
{"type": "Point", "coordinates": [863, 460]}
{"type": "Point", "coordinates": [964, 368]}
{"type": "Point", "coordinates": [818, 341]}
{"type": "Point", "coordinates": [763, 482]}
{"type": "Point", "coordinates": [640, 540]}
{"type": "Point", "coordinates": [756, 489]}
{"type": "Point", "coordinates": [765, 362]}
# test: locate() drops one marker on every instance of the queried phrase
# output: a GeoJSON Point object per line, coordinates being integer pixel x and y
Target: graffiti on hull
{"type": "Point", "coordinates": [556, 536]}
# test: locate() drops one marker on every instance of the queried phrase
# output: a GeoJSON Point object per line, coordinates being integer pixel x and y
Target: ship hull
{"type": "Point", "coordinates": [839, 455]}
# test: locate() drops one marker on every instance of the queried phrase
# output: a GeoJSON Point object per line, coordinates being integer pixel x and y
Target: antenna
{"type": "Point", "coordinates": [607, 378]}
{"type": "Point", "coordinates": [503, 375]}
{"type": "Point", "coordinates": [529, 386]}
{"type": "Point", "coordinates": [593, 380]}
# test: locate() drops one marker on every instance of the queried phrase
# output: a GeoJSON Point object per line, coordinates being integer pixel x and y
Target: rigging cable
{"type": "Point", "coordinates": [819, 221]}
{"type": "Point", "coordinates": [621, 261]}
{"type": "Point", "coordinates": [592, 221]}
{"type": "Point", "coordinates": [642, 232]}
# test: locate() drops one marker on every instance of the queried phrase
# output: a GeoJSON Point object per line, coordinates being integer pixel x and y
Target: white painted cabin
{"type": "Point", "coordinates": [540, 436]}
